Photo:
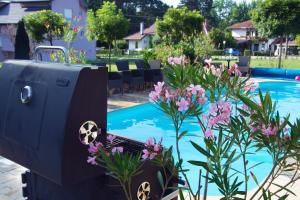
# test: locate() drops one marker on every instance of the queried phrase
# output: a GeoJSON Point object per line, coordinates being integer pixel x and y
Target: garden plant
{"type": "Point", "coordinates": [235, 121]}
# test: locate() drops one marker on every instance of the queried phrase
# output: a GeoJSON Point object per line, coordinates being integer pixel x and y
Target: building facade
{"type": "Point", "coordinates": [12, 11]}
{"type": "Point", "coordinates": [247, 38]}
{"type": "Point", "coordinates": [141, 40]}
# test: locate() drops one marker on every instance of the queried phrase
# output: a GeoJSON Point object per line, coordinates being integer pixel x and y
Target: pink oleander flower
{"type": "Point", "coordinates": [149, 142]}
{"type": "Point", "coordinates": [183, 105]}
{"type": "Point", "coordinates": [234, 69]}
{"type": "Point", "coordinates": [117, 150]}
{"type": "Point", "coordinates": [269, 131]}
{"type": "Point", "coordinates": [250, 85]}
{"type": "Point", "coordinates": [148, 155]}
{"type": "Point", "coordinates": [201, 100]}
{"type": "Point", "coordinates": [154, 96]}
{"type": "Point", "coordinates": [92, 160]}
{"type": "Point", "coordinates": [208, 61]}
{"type": "Point", "coordinates": [208, 134]}
{"type": "Point", "coordinates": [152, 149]}
{"type": "Point", "coordinates": [176, 60]}
{"type": "Point", "coordinates": [169, 96]}
{"type": "Point", "coordinates": [219, 113]}
{"type": "Point", "coordinates": [194, 89]}
{"type": "Point", "coordinates": [171, 61]}
{"type": "Point", "coordinates": [111, 138]}
{"type": "Point", "coordinates": [159, 87]}
{"type": "Point", "coordinates": [94, 148]}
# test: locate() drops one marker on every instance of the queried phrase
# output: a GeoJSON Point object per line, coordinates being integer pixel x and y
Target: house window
{"type": "Point", "coordinates": [68, 14]}
{"type": "Point", "coordinates": [255, 48]}
{"type": "Point", "coordinates": [136, 44]}
{"type": "Point", "coordinates": [263, 47]}
{"type": "Point", "coordinates": [81, 34]}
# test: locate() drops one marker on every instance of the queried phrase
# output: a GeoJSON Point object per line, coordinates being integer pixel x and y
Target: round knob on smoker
{"type": "Point", "coordinates": [26, 94]}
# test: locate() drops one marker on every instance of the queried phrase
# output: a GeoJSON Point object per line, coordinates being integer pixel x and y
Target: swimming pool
{"type": "Point", "coordinates": [144, 121]}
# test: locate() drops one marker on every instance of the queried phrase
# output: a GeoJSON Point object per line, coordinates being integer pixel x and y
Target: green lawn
{"type": "Point", "coordinates": [289, 63]}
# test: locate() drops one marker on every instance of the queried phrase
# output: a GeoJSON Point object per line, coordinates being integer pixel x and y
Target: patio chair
{"type": "Point", "coordinates": [155, 66]}
{"type": "Point", "coordinates": [244, 64]}
{"type": "Point", "coordinates": [131, 77]}
{"type": "Point", "coordinates": [115, 79]}
{"type": "Point", "coordinates": [150, 75]}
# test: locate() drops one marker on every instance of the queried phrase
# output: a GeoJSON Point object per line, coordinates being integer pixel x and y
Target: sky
{"type": "Point", "coordinates": [176, 2]}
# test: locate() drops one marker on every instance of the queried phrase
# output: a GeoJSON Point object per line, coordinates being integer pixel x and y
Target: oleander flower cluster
{"type": "Point", "coordinates": [250, 85]}
{"type": "Point", "coordinates": [218, 113]}
{"type": "Point", "coordinates": [177, 60]}
{"type": "Point", "coordinates": [183, 99]}
{"type": "Point", "coordinates": [95, 148]}
{"type": "Point", "coordinates": [152, 149]}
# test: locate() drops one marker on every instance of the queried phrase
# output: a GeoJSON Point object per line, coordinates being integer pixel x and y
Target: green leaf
{"type": "Point", "coordinates": [199, 163]}
{"type": "Point", "coordinates": [254, 178]}
{"type": "Point", "coordinates": [160, 179]}
{"type": "Point", "coordinates": [284, 188]}
{"type": "Point", "coordinates": [181, 195]}
{"type": "Point", "coordinates": [201, 150]}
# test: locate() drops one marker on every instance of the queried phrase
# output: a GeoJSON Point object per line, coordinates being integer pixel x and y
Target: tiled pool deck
{"type": "Point", "coordinates": [10, 179]}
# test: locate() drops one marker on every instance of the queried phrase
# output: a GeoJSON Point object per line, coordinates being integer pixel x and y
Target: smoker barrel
{"type": "Point", "coordinates": [42, 108]}
{"type": "Point", "coordinates": [48, 113]}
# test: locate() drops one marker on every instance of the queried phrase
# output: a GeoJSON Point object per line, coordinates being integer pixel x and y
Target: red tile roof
{"type": "Point", "coordinates": [242, 25]}
{"type": "Point", "coordinates": [137, 36]}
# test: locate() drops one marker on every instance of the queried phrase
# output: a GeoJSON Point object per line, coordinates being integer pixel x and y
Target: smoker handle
{"type": "Point", "coordinates": [59, 48]}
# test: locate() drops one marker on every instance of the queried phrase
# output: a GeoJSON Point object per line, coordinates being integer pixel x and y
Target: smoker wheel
{"type": "Point", "coordinates": [143, 192]}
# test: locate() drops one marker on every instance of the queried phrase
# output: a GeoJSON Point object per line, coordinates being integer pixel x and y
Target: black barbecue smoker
{"type": "Point", "coordinates": [43, 109]}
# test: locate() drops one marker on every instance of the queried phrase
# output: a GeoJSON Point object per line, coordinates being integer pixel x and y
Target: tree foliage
{"type": "Point", "coordinates": [218, 36]}
{"type": "Point", "coordinates": [178, 23]}
{"type": "Point", "coordinates": [135, 10]}
{"type": "Point", "coordinates": [228, 12]}
{"type": "Point", "coordinates": [276, 17]}
{"type": "Point", "coordinates": [22, 48]}
{"type": "Point", "coordinates": [45, 25]}
{"type": "Point", "coordinates": [107, 24]}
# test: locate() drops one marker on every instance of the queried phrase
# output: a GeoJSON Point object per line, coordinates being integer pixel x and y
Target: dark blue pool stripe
{"type": "Point", "coordinates": [273, 72]}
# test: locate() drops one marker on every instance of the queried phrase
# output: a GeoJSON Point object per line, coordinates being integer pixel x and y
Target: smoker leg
{"type": "Point", "coordinates": [39, 188]}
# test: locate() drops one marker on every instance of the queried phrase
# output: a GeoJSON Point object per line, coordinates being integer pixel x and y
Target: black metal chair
{"type": "Point", "coordinates": [131, 77]}
{"type": "Point", "coordinates": [115, 79]}
{"type": "Point", "coordinates": [155, 73]}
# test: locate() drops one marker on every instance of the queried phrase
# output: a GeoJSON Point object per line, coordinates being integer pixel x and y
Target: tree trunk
{"type": "Point", "coordinates": [280, 52]}
{"type": "Point", "coordinates": [109, 55]}
{"type": "Point", "coordinates": [286, 46]}
{"type": "Point", "coordinates": [51, 42]}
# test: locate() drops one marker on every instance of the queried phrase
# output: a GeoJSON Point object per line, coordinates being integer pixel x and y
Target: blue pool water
{"type": "Point", "coordinates": [144, 121]}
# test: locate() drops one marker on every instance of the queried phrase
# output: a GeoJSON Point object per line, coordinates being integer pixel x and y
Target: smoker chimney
{"type": "Point", "coordinates": [142, 28]}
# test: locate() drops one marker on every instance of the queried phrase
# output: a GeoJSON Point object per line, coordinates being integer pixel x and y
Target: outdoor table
{"type": "Point", "coordinates": [229, 60]}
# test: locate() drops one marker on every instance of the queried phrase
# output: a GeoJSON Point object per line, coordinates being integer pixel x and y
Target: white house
{"type": "Point", "coordinates": [247, 38]}
{"type": "Point", "coordinates": [141, 40]}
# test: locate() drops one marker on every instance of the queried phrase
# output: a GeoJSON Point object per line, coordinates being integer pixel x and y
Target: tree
{"type": "Point", "coordinates": [107, 24]}
{"type": "Point", "coordinates": [22, 48]}
{"type": "Point", "coordinates": [45, 25]}
{"type": "Point", "coordinates": [138, 11]}
{"type": "Point", "coordinates": [178, 23]}
{"type": "Point", "coordinates": [93, 4]}
{"type": "Point", "coordinates": [297, 40]}
{"type": "Point", "coordinates": [218, 36]}
{"type": "Point", "coordinates": [241, 12]}
{"type": "Point", "coordinates": [276, 18]}
{"type": "Point", "coordinates": [204, 6]}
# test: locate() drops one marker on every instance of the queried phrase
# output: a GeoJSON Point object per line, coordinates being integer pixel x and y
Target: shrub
{"type": "Point", "coordinates": [45, 25]}
{"type": "Point", "coordinates": [247, 52]}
